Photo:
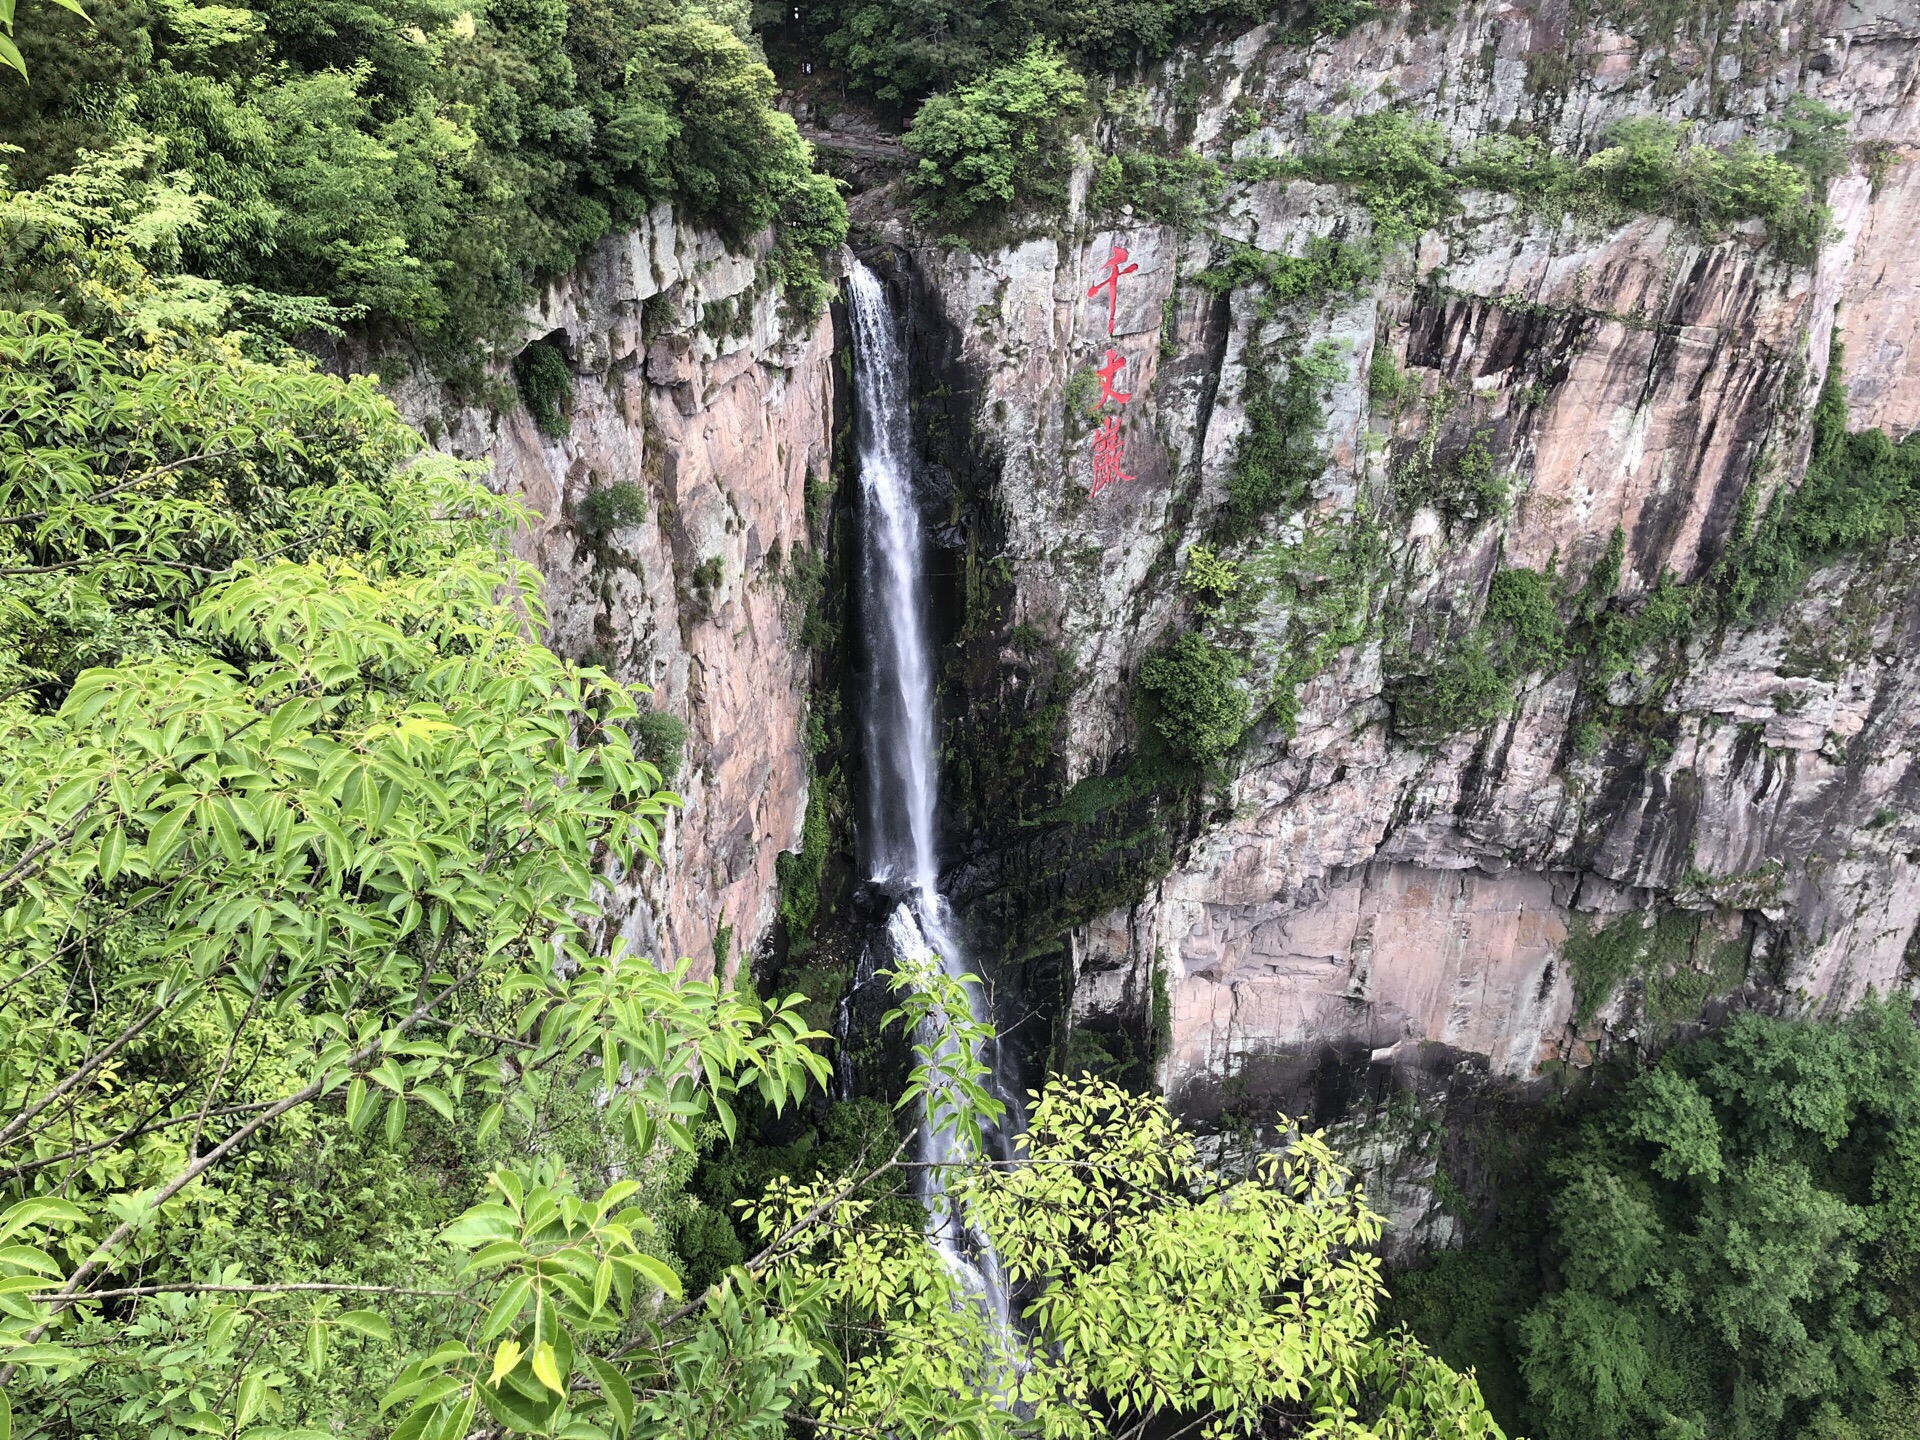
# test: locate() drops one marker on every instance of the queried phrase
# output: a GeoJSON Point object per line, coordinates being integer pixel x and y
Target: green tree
{"type": "Point", "coordinates": [300, 837]}
{"type": "Point", "coordinates": [1728, 1246]}
{"type": "Point", "coordinates": [997, 141]}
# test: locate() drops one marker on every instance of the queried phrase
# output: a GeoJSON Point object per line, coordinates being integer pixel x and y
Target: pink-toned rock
{"type": "Point", "coordinates": [721, 435]}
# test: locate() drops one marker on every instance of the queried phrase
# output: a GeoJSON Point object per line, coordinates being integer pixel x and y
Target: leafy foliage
{"type": "Point", "coordinates": [1721, 1247]}
{"type": "Point", "coordinates": [1279, 457]}
{"type": "Point", "coordinates": [418, 162]}
{"type": "Point", "coordinates": [546, 385]}
{"type": "Point", "coordinates": [997, 140]}
{"type": "Point", "coordinates": [903, 50]}
{"type": "Point", "coordinates": [1731, 1244]}
{"type": "Point", "coordinates": [300, 836]}
{"type": "Point", "coordinates": [1327, 266]}
{"type": "Point", "coordinates": [1200, 707]}
{"type": "Point", "coordinates": [1161, 1290]}
{"type": "Point", "coordinates": [1473, 682]}
{"type": "Point", "coordinates": [1396, 165]}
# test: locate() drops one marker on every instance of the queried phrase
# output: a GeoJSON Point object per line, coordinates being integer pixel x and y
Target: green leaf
{"type": "Point", "coordinates": [359, 1110]}
{"type": "Point", "coordinates": [369, 1323]}
{"type": "Point", "coordinates": [504, 1359]}
{"type": "Point", "coordinates": [507, 1308]}
{"type": "Point", "coordinates": [547, 1370]}
{"type": "Point", "coordinates": [657, 1271]}
{"type": "Point", "coordinates": [39, 1210]}
{"type": "Point", "coordinates": [396, 1120]}
{"type": "Point", "coordinates": [457, 1421]}
{"type": "Point", "coordinates": [613, 1385]}
{"type": "Point", "coordinates": [479, 1224]}
{"type": "Point", "coordinates": [28, 1257]}
{"type": "Point", "coordinates": [436, 1099]}
{"type": "Point", "coordinates": [253, 1395]}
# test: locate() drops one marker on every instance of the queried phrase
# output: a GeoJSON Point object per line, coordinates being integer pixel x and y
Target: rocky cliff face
{"type": "Point", "coordinates": [1355, 892]}
{"type": "Point", "coordinates": [667, 517]}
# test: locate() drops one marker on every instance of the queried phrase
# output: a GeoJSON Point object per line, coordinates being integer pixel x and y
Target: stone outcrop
{"type": "Point", "coordinates": [1351, 891]}
{"type": "Point", "coordinates": [690, 382]}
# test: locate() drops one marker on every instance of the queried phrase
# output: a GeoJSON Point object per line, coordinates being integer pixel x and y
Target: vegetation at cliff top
{"type": "Point", "coordinates": [1727, 1246]}
{"type": "Point", "coordinates": [997, 140]}
{"type": "Point", "coordinates": [901, 51]}
{"type": "Point", "coordinates": [416, 164]}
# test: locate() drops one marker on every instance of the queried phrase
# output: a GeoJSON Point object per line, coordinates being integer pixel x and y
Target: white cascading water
{"type": "Point", "coordinates": [902, 784]}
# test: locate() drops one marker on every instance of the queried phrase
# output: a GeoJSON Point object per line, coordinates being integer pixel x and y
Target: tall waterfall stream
{"type": "Point", "coordinates": [898, 841]}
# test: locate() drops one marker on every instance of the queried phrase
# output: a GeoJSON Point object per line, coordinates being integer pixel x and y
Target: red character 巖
{"type": "Point", "coordinates": [1110, 282]}
{"type": "Point", "coordinates": [1106, 456]}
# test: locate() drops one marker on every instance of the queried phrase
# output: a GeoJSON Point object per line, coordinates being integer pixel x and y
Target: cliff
{"type": "Point", "coordinates": [1631, 391]}
{"type": "Point", "coordinates": [668, 498]}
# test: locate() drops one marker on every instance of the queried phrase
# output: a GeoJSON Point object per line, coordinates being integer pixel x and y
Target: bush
{"type": "Point", "coordinates": [1326, 267]}
{"type": "Point", "coordinates": [903, 50]}
{"type": "Point", "coordinates": [1526, 629]}
{"type": "Point", "coordinates": [1646, 165]}
{"type": "Point", "coordinates": [1179, 190]}
{"type": "Point", "coordinates": [1396, 164]}
{"type": "Point", "coordinates": [1465, 692]}
{"type": "Point", "coordinates": [1466, 489]}
{"type": "Point", "coordinates": [1724, 1246]}
{"type": "Point", "coordinates": [1473, 685]}
{"type": "Point", "coordinates": [1200, 708]}
{"type": "Point", "coordinates": [418, 165]}
{"type": "Point", "coordinates": [998, 141]}
{"type": "Point", "coordinates": [800, 872]}
{"type": "Point", "coordinates": [546, 385]}
{"type": "Point", "coordinates": [614, 508]}
{"type": "Point", "coordinates": [1763, 1176]}
{"type": "Point", "coordinates": [1279, 457]}
{"type": "Point", "coordinates": [1861, 490]}
{"type": "Point", "coordinates": [661, 740]}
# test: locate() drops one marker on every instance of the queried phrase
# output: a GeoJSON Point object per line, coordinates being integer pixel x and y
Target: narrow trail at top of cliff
{"type": "Point", "coordinates": [898, 838]}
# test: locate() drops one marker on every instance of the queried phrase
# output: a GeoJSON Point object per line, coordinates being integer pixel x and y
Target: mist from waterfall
{"type": "Point", "coordinates": [898, 841]}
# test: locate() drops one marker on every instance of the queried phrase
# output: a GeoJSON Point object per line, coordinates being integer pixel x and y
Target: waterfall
{"type": "Point", "coordinates": [898, 839]}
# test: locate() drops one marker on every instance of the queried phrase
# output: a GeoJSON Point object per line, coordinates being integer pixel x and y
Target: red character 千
{"type": "Point", "coordinates": [1110, 282]}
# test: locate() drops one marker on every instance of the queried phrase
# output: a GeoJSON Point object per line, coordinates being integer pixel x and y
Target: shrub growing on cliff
{"type": "Point", "coordinates": [1647, 164]}
{"type": "Point", "coordinates": [1279, 457]}
{"type": "Point", "coordinates": [1396, 164]}
{"type": "Point", "coordinates": [546, 385]}
{"type": "Point", "coordinates": [1473, 682]}
{"type": "Point", "coordinates": [1199, 707]}
{"type": "Point", "coordinates": [998, 140]}
{"type": "Point", "coordinates": [1861, 490]}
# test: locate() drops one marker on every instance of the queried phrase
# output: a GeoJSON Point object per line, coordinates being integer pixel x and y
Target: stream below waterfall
{"type": "Point", "coordinates": [898, 839]}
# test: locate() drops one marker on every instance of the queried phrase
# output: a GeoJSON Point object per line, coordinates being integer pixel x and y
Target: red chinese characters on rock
{"type": "Point", "coordinates": [1107, 440]}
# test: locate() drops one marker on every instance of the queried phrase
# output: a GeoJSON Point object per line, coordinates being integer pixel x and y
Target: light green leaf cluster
{"type": "Point", "coordinates": [301, 836]}
{"type": "Point", "coordinates": [1158, 1291]}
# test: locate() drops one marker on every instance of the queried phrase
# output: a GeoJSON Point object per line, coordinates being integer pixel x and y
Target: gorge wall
{"type": "Point", "coordinates": [1351, 891]}
{"type": "Point", "coordinates": [668, 515]}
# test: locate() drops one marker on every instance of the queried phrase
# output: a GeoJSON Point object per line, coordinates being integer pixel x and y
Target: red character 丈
{"type": "Point", "coordinates": [1110, 367]}
{"type": "Point", "coordinates": [1110, 282]}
